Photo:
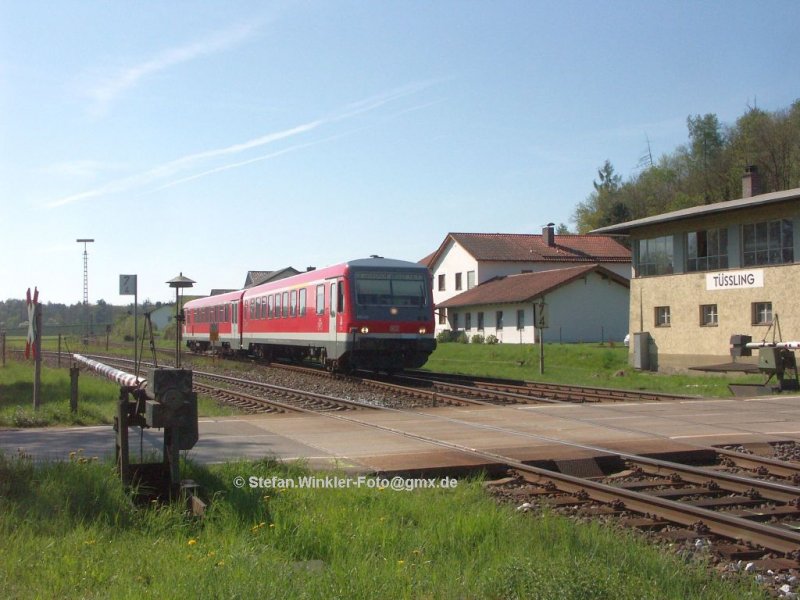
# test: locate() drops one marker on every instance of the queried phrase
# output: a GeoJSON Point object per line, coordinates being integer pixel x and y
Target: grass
{"type": "Point", "coordinates": [576, 364]}
{"type": "Point", "coordinates": [97, 398]}
{"type": "Point", "coordinates": [69, 530]}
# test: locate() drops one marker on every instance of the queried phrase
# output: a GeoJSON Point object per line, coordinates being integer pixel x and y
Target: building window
{"type": "Point", "coordinates": [663, 318]}
{"type": "Point", "coordinates": [467, 321]}
{"type": "Point", "coordinates": [520, 319]}
{"type": "Point", "coordinates": [321, 299]}
{"type": "Point", "coordinates": [655, 256]}
{"type": "Point", "coordinates": [768, 243]}
{"type": "Point", "coordinates": [442, 316]}
{"type": "Point", "coordinates": [441, 283]}
{"type": "Point", "coordinates": [470, 279]}
{"type": "Point", "coordinates": [458, 281]}
{"type": "Point", "coordinates": [480, 321]}
{"type": "Point", "coordinates": [498, 319]}
{"type": "Point", "coordinates": [762, 313]}
{"type": "Point", "coordinates": [709, 317]}
{"type": "Point", "coordinates": [707, 250]}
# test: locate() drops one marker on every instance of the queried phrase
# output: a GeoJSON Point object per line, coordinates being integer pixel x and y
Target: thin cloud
{"type": "Point", "coordinates": [105, 92]}
{"type": "Point", "coordinates": [191, 161]}
{"type": "Point", "coordinates": [243, 163]}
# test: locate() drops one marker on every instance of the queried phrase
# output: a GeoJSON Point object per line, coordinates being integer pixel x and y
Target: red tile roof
{"type": "Point", "coordinates": [526, 286]}
{"type": "Point", "coordinates": [522, 247]}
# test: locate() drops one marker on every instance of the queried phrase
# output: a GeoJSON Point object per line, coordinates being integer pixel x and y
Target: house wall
{"type": "Point", "coordinates": [454, 260]}
{"type": "Point", "coordinates": [590, 309]}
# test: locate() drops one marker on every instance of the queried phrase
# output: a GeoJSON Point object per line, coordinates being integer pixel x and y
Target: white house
{"type": "Point", "coordinates": [587, 303]}
{"type": "Point", "coordinates": [465, 260]}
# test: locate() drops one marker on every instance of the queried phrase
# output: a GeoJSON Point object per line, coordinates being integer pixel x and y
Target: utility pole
{"type": "Point", "coordinates": [85, 241]}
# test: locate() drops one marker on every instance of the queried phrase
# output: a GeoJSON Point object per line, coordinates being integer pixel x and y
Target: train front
{"type": "Point", "coordinates": [391, 316]}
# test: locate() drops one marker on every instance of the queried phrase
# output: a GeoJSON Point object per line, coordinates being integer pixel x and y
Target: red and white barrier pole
{"type": "Point", "coordinates": [111, 373]}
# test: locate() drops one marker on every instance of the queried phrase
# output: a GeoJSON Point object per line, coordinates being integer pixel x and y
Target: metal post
{"type": "Point", "coordinates": [541, 351]}
{"type": "Point", "coordinates": [37, 361]}
{"type": "Point", "coordinates": [59, 350]}
{"type": "Point", "coordinates": [74, 371]}
{"type": "Point", "coordinates": [177, 329]}
{"type": "Point", "coordinates": [136, 357]}
{"type": "Point", "coordinates": [122, 450]}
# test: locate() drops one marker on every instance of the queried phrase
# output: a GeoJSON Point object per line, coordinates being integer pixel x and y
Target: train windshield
{"type": "Point", "coordinates": [389, 288]}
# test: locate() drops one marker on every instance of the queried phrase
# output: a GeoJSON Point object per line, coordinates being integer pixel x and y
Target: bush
{"type": "Point", "coordinates": [477, 339]}
{"type": "Point", "coordinates": [445, 336]}
{"type": "Point", "coordinates": [460, 337]}
{"type": "Point", "coordinates": [492, 339]}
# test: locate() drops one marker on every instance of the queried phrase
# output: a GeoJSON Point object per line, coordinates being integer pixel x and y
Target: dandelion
{"type": "Point", "coordinates": [192, 542]}
{"type": "Point", "coordinates": [89, 542]}
{"type": "Point", "coordinates": [211, 553]}
{"type": "Point", "coordinates": [220, 563]}
{"type": "Point", "coordinates": [401, 562]}
{"type": "Point", "coordinates": [72, 455]}
{"type": "Point", "coordinates": [272, 525]}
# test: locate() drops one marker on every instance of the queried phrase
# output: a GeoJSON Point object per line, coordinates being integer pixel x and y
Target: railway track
{"type": "Point", "coordinates": [257, 397]}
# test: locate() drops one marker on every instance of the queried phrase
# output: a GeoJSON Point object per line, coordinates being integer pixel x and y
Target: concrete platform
{"type": "Point", "coordinates": [424, 439]}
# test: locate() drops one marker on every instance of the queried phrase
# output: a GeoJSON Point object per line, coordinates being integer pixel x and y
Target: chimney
{"type": "Point", "coordinates": [751, 182]}
{"type": "Point", "coordinates": [548, 234]}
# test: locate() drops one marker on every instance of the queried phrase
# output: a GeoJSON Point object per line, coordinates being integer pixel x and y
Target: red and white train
{"type": "Point", "coordinates": [372, 313]}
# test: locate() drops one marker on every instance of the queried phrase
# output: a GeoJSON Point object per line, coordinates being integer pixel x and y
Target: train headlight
{"type": "Point", "coordinates": [365, 329]}
{"type": "Point", "coordinates": [423, 330]}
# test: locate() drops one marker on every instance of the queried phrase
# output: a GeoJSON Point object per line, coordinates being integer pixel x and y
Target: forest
{"type": "Point", "coordinates": [707, 169]}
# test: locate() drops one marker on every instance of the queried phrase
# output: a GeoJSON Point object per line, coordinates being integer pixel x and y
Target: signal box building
{"type": "Point", "coordinates": [705, 273]}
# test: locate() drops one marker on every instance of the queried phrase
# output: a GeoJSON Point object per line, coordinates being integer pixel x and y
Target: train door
{"type": "Point", "coordinates": [235, 342]}
{"type": "Point", "coordinates": [335, 309]}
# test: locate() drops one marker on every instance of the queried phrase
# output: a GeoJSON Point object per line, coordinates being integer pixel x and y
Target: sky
{"type": "Point", "coordinates": [213, 138]}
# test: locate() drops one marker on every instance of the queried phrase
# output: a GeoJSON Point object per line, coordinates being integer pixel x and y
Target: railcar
{"type": "Point", "coordinates": [372, 313]}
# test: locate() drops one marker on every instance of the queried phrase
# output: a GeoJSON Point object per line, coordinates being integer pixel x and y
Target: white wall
{"type": "Point", "coordinates": [591, 309]}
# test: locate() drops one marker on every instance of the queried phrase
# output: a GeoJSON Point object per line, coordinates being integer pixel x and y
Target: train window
{"type": "Point", "coordinates": [252, 310]}
{"type": "Point", "coordinates": [293, 304]}
{"type": "Point", "coordinates": [302, 310]}
{"type": "Point", "coordinates": [269, 306]}
{"type": "Point", "coordinates": [321, 299]}
{"type": "Point", "coordinates": [333, 299]}
{"type": "Point", "coordinates": [340, 298]}
{"type": "Point", "coordinates": [285, 307]}
{"type": "Point", "coordinates": [277, 305]}
{"type": "Point", "coordinates": [227, 313]}
{"type": "Point", "coordinates": [263, 307]}
{"type": "Point", "coordinates": [258, 308]}
{"type": "Point", "coordinates": [235, 312]}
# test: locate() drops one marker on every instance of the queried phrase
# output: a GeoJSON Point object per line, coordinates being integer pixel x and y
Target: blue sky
{"type": "Point", "coordinates": [214, 138]}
